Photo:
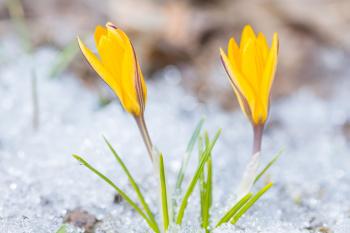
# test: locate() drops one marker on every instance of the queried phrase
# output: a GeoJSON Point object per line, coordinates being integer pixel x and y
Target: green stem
{"type": "Point", "coordinates": [164, 195]}
{"type": "Point", "coordinates": [140, 120]}
{"type": "Point", "coordinates": [258, 133]}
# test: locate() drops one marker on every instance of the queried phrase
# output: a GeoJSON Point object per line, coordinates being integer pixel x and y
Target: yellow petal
{"type": "Point", "coordinates": [247, 34]}
{"type": "Point", "coordinates": [262, 45]}
{"type": "Point", "coordinates": [111, 54]}
{"type": "Point", "coordinates": [143, 84]}
{"type": "Point", "coordinates": [128, 80]}
{"type": "Point", "coordinates": [99, 68]}
{"type": "Point", "coordinates": [259, 112]}
{"type": "Point", "coordinates": [129, 71]}
{"type": "Point", "coordinates": [241, 86]}
{"type": "Point", "coordinates": [269, 72]}
{"type": "Point", "coordinates": [99, 31]}
{"type": "Point", "coordinates": [250, 65]}
{"type": "Point", "coordinates": [233, 52]}
{"type": "Point", "coordinates": [270, 67]}
{"type": "Point", "coordinates": [114, 35]}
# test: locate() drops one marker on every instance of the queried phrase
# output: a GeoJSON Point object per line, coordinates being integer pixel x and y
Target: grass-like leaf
{"type": "Point", "coordinates": [275, 158]}
{"type": "Point", "coordinates": [121, 193]}
{"type": "Point", "coordinates": [132, 182]}
{"type": "Point", "coordinates": [208, 196]}
{"type": "Point", "coordinates": [250, 203]}
{"type": "Point", "coordinates": [205, 187]}
{"type": "Point", "coordinates": [195, 178]}
{"type": "Point", "coordinates": [64, 58]}
{"type": "Point", "coordinates": [201, 149]}
{"type": "Point", "coordinates": [188, 153]}
{"type": "Point", "coordinates": [164, 195]}
{"type": "Point", "coordinates": [231, 212]}
{"type": "Point", "coordinates": [62, 229]}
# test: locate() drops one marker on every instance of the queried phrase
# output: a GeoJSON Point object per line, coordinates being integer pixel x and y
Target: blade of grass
{"type": "Point", "coordinates": [250, 203]}
{"type": "Point", "coordinates": [163, 193]}
{"type": "Point", "coordinates": [201, 178]}
{"type": "Point", "coordinates": [64, 58]}
{"type": "Point", "coordinates": [208, 195]}
{"type": "Point", "coordinates": [195, 179]}
{"type": "Point", "coordinates": [132, 182]}
{"type": "Point", "coordinates": [62, 229]}
{"type": "Point", "coordinates": [188, 153]}
{"type": "Point", "coordinates": [205, 188]}
{"type": "Point", "coordinates": [184, 164]}
{"type": "Point", "coordinates": [268, 166]}
{"type": "Point", "coordinates": [121, 193]}
{"type": "Point", "coordinates": [234, 209]}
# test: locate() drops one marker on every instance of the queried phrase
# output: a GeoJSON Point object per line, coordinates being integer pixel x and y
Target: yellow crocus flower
{"type": "Point", "coordinates": [251, 69]}
{"type": "Point", "coordinates": [117, 65]}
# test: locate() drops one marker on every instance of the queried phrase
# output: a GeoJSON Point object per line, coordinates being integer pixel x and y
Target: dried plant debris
{"type": "Point", "coordinates": [81, 219]}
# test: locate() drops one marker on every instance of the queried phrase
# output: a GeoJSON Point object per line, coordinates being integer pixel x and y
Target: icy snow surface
{"type": "Point", "coordinates": [40, 181]}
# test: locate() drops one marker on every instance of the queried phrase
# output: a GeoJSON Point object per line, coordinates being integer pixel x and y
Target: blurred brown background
{"type": "Point", "coordinates": [314, 36]}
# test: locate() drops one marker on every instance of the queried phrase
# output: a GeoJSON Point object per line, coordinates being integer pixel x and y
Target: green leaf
{"type": "Point", "coordinates": [250, 203]}
{"type": "Point", "coordinates": [64, 58]}
{"type": "Point", "coordinates": [234, 209]}
{"type": "Point", "coordinates": [208, 196]}
{"type": "Point", "coordinates": [268, 166]}
{"type": "Point", "coordinates": [205, 187]}
{"type": "Point", "coordinates": [121, 193]}
{"type": "Point", "coordinates": [188, 153]}
{"type": "Point", "coordinates": [62, 229]}
{"type": "Point", "coordinates": [201, 177]}
{"type": "Point", "coordinates": [195, 178]}
{"type": "Point", "coordinates": [132, 182]}
{"type": "Point", "coordinates": [164, 195]}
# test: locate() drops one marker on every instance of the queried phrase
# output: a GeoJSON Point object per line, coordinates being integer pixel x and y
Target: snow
{"type": "Point", "coordinates": [40, 181]}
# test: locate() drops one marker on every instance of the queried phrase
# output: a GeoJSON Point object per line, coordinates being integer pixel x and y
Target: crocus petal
{"type": "Point", "coordinates": [250, 66]}
{"type": "Point", "coordinates": [270, 69]}
{"type": "Point", "coordinates": [111, 54]}
{"type": "Point", "coordinates": [247, 34]}
{"type": "Point", "coordinates": [263, 46]}
{"type": "Point", "coordinates": [128, 80]}
{"type": "Point", "coordinates": [120, 33]}
{"type": "Point", "coordinates": [114, 34]}
{"type": "Point", "coordinates": [259, 112]}
{"type": "Point", "coordinates": [143, 86]}
{"type": "Point", "coordinates": [233, 52]}
{"type": "Point", "coordinates": [100, 69]}
{"type": "Point", "coordinates": [242, 90]}
{"type": "Point", "coordinates": [99, 32]}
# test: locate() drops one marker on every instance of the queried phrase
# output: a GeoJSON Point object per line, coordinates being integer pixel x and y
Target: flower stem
{"type": "Point", "coordinates": [140, 120]}
{"type": "Point", "coordinates": [250, 171]}
{"type": "Point", "coordinates": [258, 133]}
